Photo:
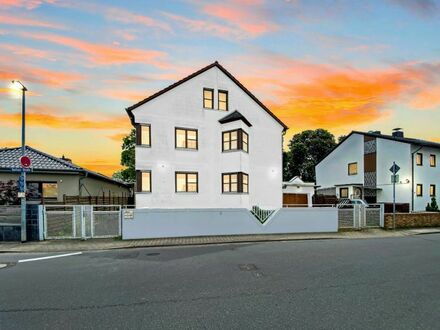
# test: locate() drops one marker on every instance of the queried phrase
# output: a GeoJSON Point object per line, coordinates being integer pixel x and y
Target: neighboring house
{"type": "Point", "coordinates": [359, 167]}
{"type": "Point", "coordinates": [298, 192]}
{"type": "Point", "coordinates": [53, 177]}
{"type": "Point", "coordinates": [207, 142]}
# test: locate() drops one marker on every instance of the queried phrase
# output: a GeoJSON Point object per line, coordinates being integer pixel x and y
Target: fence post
{"type": "Point", "coordinates": [382, 215]}
{"type": "Point", "coordinates": [120, 221]}
{"type": "Point", "coordinates": [74, 221]}
{"type": "Point", "coordinates": [45, 221]}
{"type": "Point", "coordinates": [92, 226]}
{"type": "Point", "coordinates": [41, 222]}
{"type": "Point", "coordinates": [83, 223]}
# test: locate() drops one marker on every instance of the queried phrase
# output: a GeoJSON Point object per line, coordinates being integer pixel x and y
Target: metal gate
{"type": "Point", "coordinates": [359, 216]}
{"type": "Point", "coordinates": [81, 221]}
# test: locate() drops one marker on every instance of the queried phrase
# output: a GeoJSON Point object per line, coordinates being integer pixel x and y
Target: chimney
{"type": "Point", "coordinates": [66, 159]}
{"type": "Point", "coordinates": [397, 132]}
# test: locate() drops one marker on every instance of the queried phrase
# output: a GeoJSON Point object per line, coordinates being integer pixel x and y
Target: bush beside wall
{"type": "Point", "coordinates": [413, 220]}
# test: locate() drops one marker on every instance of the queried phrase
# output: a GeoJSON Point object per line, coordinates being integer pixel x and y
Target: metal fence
{"type": "Point", "coordinates": [360, 216]}
{"type": "Point", "coordinates": [10, 215]}
{"type": "Point", "coordinates": [81, 221]}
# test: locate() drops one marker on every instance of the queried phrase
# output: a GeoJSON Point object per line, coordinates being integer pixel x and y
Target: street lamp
{"type": "Point", "coordinates": [18, 85]}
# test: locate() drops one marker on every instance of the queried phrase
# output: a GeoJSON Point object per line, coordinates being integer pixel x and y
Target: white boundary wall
{"type": "Point", "coordinates": [155, 223]}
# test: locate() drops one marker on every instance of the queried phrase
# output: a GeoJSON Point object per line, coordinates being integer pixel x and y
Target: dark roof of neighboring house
{"type": "Point", "coordinates": [43, 162]}
{"type": "Point", "coordinates": [233, 116]}
{"type": "Point", "coordinates": [206, 68]}
{"type": "Point", "coordinates": [417, 142]}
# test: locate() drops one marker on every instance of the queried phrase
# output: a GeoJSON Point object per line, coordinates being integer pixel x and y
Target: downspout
{"type": "Point", "coordinates": [80, 185]}
{"type": "Point", "coordinates": [412, 177]}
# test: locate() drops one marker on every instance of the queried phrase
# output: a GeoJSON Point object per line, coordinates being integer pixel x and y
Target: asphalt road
{"type": "Point", "coordinates": [388, 283]}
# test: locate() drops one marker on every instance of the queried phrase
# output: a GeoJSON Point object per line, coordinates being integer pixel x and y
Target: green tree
{"type": "Point", "coordinates": [128, 174]}
{"type": "Point", "coordinates": [306, 149]}
{"type": "Point", "coordinates": [433, 207]}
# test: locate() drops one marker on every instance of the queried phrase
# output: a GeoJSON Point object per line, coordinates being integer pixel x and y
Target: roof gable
{"type": "Point", "coordinates": [233, 116]}
{"type": "Point", "coordinates": [212, 65]}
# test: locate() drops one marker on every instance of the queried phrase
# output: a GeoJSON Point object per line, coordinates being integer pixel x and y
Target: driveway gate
{"type": "Point", "coordinates": [359, 216]}
{"type": "Point", "coordinates": [81, 221]}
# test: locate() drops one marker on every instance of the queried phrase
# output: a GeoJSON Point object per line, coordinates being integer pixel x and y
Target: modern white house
{"type": "Point", "coordinates": [298, 192]}
{"type": "Point", "coordinates": [359, 167]}
{"type": "Point", "coordinates": [207, 142]}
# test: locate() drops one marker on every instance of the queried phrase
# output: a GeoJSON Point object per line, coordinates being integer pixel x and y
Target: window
{"type": "Point", "coordinates": [50, 190]}
{"type": "Point", "coordinates": [235, 183]}
{"type": "Point", "coordinates": [432, 190]}
{"type": "Point", "coordinates": [187, 182]}
{"type": "Point", "coordinates": [143, 135]}
{"type": "Point", "coordinates": [235, 140]}
{"type": "Point", "coordinates": [143, 181]}
{"type": "Point", "coordinates": [223, 100]}
{"type": "Point", "coordinates": [38, 190]}
{"type": "Point", "coordinates": [419, 159]}
{"type": "Point", "coordinates": [352, 169]}
{"type": "Point", "coordinates": [419, 190]}
{"type": "Point", "coordinates": [186, 138]}
{"type": "Point", "coordinates": [432, 161]}
{"type": "Point", "coordinates": [208, 98]}
{"type": "Point", "coordinates": [343, 192]}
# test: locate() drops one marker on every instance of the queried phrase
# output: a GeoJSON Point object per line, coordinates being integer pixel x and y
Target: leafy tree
{"type": "Point", "coordinates": [433, 207]}
{"type": "Point", "coordinates": [306, 149]}
{"type": "Point", "coordinates": [128, 174]}
{"type": "Point", "coordinates": [341, 138]}
{"type": "Point", "coordinates": [8, 193]}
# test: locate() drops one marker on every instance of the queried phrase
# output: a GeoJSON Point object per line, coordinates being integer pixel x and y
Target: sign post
{"type": "Point", "coordinates": [394, 178]}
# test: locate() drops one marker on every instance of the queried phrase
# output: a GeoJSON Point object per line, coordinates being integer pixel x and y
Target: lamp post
{"type": "Point", "coordinates": [23, 153]}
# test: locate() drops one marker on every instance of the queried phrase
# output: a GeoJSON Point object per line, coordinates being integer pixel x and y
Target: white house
{"type": "Point", "coordinates": [298, 192]}
{"type": "Point", "coordinates": [359, 167]}
{"type": "Point", "coordinates": [207, 142]}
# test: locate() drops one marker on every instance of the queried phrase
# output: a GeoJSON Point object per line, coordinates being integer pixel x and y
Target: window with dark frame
{"type": "Point", "coordinates": [187, 182]}
{"type": "Point", "coordinates": [343, 192]}
{"type": "Point", "coordinates": [143, 181]}
{"type": "Point", "coordinates": [432, 160]}
{"type": "Point", "coordinates": [208, 98]}
{"type": "Point", "coordinates": [419, 159]}
{"type": "Point", "coordinates": [143, 135]}
{"type": "Point", "coordinates": [352, 169]}
{"type": "Point", "coordinates": [237, 182]}
{"type": "Point", "coordinates": [223, 100]}
{"type": "Point", "coordinates": [419, 190]}
{"type": "Point", "coordinates": [432, 190]}
{"type": "Point", "coordinates": [186, 138]}
{"type": "Point", "coordinates": [39, 190]}
{"type": "Point", "coordinates": [235, 140]}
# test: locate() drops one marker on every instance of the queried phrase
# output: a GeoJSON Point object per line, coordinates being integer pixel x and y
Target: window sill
{"type": "Point", "coordinates": [143, 145]}
{"type": "Point", "coordinates": [218, 110]}
{"type": "Point", "coordinates": [144, 192]}
{"type": "Point", "coordinates": [235, 150]}
{"type": "Point", "coordinates": [235, 193]}
{"type": "Point", "coordinates": [186, 192]}
{"type": "Point", "coordinates": [186, 149]}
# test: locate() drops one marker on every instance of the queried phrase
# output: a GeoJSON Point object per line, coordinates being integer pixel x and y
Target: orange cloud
{"type": "Point", "coordinates": [427, 99]}
{"type": "Point", "coordinates": [102, 54]}
{"type": "Point", "coordinates": [106, 169]}
{"type": "Point", "coordinates": [124, 94]}
{"type": "Point", "coordinates": [28, 52]}
{"type": "Point", "coordinates": [117, 137]}
{"type": "Point", "coordinates": [43, 76]}
{"type": "Point", "coordinates": [23, 21]}
{"type": "Point", "coordinates": [246, 15]}
{"type": "Point", "coordinates": [77, 122]}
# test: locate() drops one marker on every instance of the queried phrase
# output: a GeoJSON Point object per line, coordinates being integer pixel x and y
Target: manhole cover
{"type": "Point", "coordinates": [247, 267]}
{"type": "Point", "coordinates": [153, 254]}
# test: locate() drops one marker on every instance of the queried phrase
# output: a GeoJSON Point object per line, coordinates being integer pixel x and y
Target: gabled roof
{"type": "Point", "coordinates": [206, 68]}
{"type": "Point", "coordinates": [43, 162]}
{"type": "Point", "coordinates": [233, 116]}
{"type": "Point", "coordinates": [297, 181]}
{"type": "Point", "coordinates": [417, 142]}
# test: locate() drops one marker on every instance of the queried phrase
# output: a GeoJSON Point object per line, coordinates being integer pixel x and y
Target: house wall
{"type": "Point", "coordinates": [67, 183]}
{"type": "Point", "coordinates": [426, 175]}
{"type": "Point", "coordinates": [95, 187]}
{"type": "Point", "coordinates": [154, 223]}
{"type": "Point", "coordinates": [333, 170]}
{"type": "Point", "coordinates": [183, 107]}
{"type": "Point", "coordinates": [387, 152]}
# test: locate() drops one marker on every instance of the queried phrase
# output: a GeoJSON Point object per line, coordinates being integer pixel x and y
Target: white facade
{"type": "Point", "coordinates": [182, 106]}
{"type": "Point", "coordinates": [332, 172]}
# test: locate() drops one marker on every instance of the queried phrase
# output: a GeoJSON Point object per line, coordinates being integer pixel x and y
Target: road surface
{"type": "Point", "coordinates": [387, 283]}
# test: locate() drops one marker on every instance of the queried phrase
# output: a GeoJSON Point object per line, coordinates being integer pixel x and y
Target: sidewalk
{"type": "Point", "coordinates": [110, 243]}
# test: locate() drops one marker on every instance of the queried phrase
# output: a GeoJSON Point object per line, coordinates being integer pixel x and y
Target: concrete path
{"type": "Point", "coordinates": [107, 244]}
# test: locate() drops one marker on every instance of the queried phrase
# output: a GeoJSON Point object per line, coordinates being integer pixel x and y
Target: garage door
{"type": "Point", "coordinates": [291, 200]}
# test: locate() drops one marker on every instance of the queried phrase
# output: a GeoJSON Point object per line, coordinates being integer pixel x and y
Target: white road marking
{"type": "Point", "coordinates": [51, 257]}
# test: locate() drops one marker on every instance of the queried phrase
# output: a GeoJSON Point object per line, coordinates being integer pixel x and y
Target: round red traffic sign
{"type": "Point", "coordinates": [25, 162]}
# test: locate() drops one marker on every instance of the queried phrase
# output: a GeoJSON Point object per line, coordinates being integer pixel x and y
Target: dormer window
{"type": "Point", "coordinates": [223, 100]}
{"type": "Point", "coordinates": [208, 98]}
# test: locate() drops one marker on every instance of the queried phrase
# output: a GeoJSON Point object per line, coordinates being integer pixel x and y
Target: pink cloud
{"type": "Point", "coordinates": [427, 99]}
{"type": "Point", "coordinates": [100, 54]}
{"type": "Point", "coordinates": [127, 17]}
{"type": "Point", "coordinates": [28, 4]}
{"type": "Point", "coordinates": [23, 21]}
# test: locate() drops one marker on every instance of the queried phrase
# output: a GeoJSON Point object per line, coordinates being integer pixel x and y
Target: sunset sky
{"type": "Point", "coordinates": [339, 65]}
